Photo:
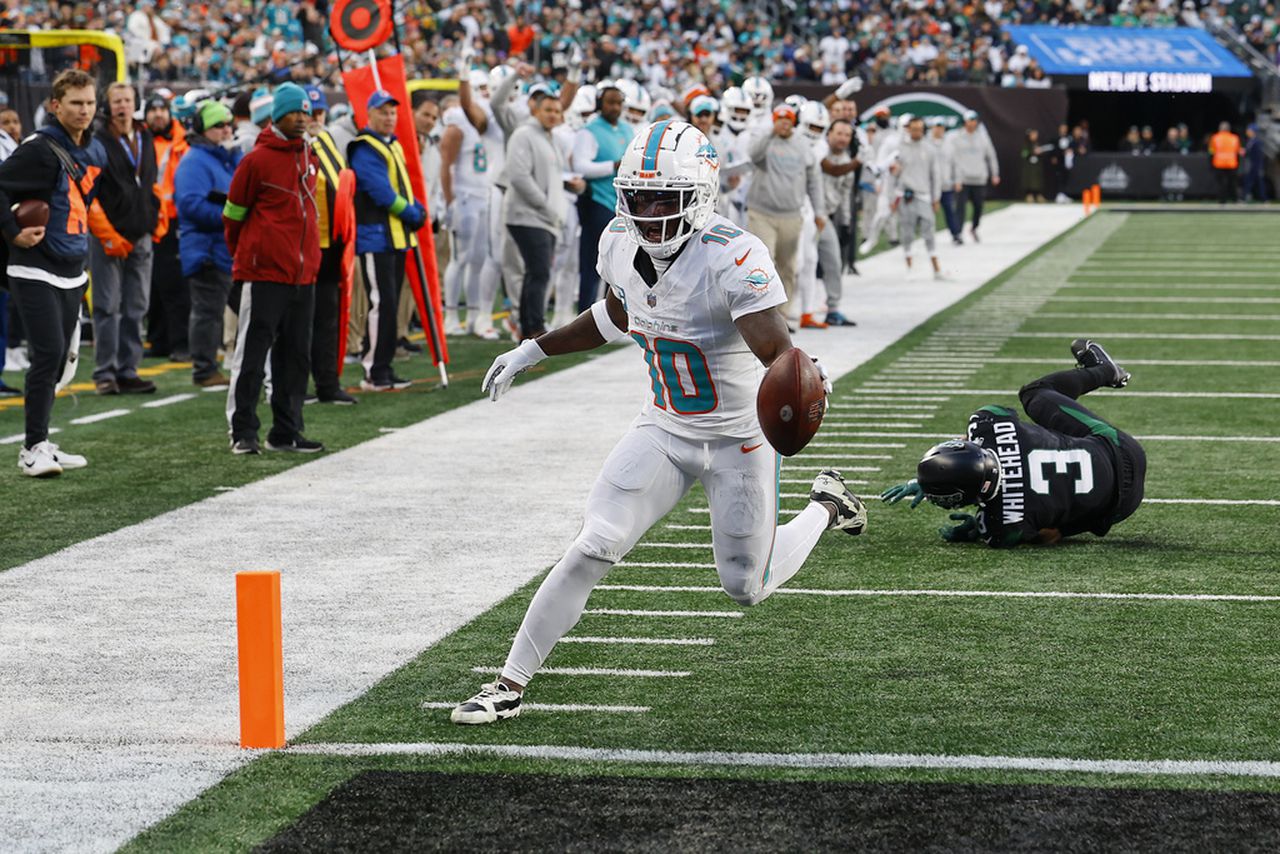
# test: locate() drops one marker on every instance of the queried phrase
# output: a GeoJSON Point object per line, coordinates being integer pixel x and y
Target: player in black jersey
{"type": "Point", "coordinates": [1067, 473]}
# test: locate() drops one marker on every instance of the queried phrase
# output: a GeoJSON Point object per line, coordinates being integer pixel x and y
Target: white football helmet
{"type": "Point", "coordinates": [635, 102]}
{"type": "Point", "coordinates": [497, 75]}
{"type": "Point", "coordinates": [737, 109]}
{"type": "Point", "coordinates": [814, 119]}
{"type": "Point", "coordinates": [760, 91]}
{"type": "Point", "coordinates": [584, 104]}
{"type": "Point", "coordinates": [667, 185]}
{"type": "Point", "coordinates": [904, 120]}
{"type": "Point", "coordinates": [795, 102]}
{"type": "Point", "coordinates": [479, 81]}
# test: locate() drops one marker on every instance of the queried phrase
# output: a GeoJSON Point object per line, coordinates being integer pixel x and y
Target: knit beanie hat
{"type": "Point", "coordinates": [260, 106]}
{"type": "Point", "coordinates": [289, 98]}
{"type": "Point", "coordinates": [214, 113]}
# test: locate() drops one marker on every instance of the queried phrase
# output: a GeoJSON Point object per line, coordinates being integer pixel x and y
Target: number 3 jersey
{"type": "Point", "coordinates": [1048, 479]}
{"type": "Point", "coordinates": [703, 378]}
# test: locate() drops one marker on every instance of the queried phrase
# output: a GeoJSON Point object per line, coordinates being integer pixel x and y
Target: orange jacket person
{"type": "Point", "coordinates": [1224, 147]}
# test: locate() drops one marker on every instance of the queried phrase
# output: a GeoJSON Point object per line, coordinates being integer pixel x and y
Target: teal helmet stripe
{"type": "Point", "coordinates": [651, 146]}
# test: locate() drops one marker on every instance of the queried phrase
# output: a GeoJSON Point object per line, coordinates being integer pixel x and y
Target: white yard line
{"type": "Point", "coordinates": [1171, 363]}
{"type": "Point", "coordinates": [555, 707]}
{"type": "Point", "coordinates": [168, 401]}
{"type": "Point", "coordinates": [922, 761]}
{"type": "Point", "coordinates": [1149, 300]}
{"type": "Point", "coordinates": [858, 444]}
{"type": "Point", "coordinates": [599, 671]}
{"type": "Point", "coordinates": [1222, 502]}
{"type": "Point", "coordinates": [1237, 395]}
{"type": "Point", "coordinates": [1167, 286]}
{"type": "Point", "coordinates": [99, 416]}
{"type": "Point", "coordinates": [1124, 315]}
{"type": "Point", "coordinates": [619, 612]}
{"type": "Point", "coordinates": [118, 693]}
{"type": "Point", "coordinates": [18, 437]}
{"type": "Point", "coordinates": [674, 545]}
{"type": "Point", "coordinates": [962, 594]}
{"type": "Point", "coordinates": [659, 564]}
{"type": "Point", "coordinates": [596, 639]}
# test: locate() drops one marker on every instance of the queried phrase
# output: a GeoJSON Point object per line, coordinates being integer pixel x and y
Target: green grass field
{"type": "Point", "coordinates": [859, 654]}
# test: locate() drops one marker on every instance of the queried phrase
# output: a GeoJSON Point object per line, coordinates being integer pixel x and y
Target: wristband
{"type": "Point", "coordinates": [608, 330]}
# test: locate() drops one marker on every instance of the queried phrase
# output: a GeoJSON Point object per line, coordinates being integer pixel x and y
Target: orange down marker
{"type": "Point", "coordinates": [261, 659]}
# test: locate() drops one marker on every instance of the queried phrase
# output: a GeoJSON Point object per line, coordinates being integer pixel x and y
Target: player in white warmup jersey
{"type": "Point", "coordinates": [699, 296]}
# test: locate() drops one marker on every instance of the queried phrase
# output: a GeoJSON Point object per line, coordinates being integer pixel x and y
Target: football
{"type": "Point", "coordinates": [791, 402]}
{"type": "Point", "coordinates": [31, 212]}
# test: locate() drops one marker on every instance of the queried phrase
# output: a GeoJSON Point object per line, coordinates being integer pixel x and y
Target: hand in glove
{"type": "Point", "coordinates": [965, 532]}
{"type": "Point", "coordinates": [502, 373]}
{"type": "Point", "coordinates": [466, 55]}
{"type": "Point", "coordinates": [414, 216]}
{"type": "Point", "coordinates": [849, 88]}
{"type": "Point", "coordinates": [216, 196]}
{"type": "Point", "coordinates": [911, 489]}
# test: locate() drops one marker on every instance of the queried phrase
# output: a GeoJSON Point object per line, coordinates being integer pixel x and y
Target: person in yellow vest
{"type": "Point", "coordinates": [1224, 148]}
{"type": "Point", "coordinates": [324, 331]}
{"type": "Point", "coordinates": [387, 219]}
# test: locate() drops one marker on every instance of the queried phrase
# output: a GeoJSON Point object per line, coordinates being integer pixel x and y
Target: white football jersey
{"type": "Point", "coordinates": [473, 172]}
{"type": "Point", "coordinates": [703, 378]}
{"type": "Point", "coordinates": [495, 142]}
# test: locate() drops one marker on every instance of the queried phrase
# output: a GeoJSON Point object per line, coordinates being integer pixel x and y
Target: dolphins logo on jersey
{"type": "Point", "coordinates": [758, 279]}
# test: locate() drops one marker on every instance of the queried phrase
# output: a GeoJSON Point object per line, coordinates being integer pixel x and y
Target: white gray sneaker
{"type": "Point", "coordinates": [495, 702]}
{"type": "Point", "coordinates": [66, 459]}
{"type": "Point", "coordinates": [850, 513]}
{"type": "Point", "coordinates": [40, 461]}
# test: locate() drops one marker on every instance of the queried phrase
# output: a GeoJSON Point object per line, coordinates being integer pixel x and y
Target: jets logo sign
{"type": "Point", "coordinates": [925, 104]}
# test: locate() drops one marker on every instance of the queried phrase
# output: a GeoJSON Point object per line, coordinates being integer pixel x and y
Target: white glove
{"type": "Point", "coordinates": [573, 62]}
{"type": "Point", "coordinates": [466, 55]}
{"type": "Point", "coordinates": [504, 370]}
{"type": "Point", "coordinates": [446, 219]}
{"type": "Point", "coordinates": [852, 86]}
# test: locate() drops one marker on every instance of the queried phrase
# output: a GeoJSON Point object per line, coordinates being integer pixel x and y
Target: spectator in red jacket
{"type": "Point", "coordinates": [271, 224]}
{"type": "Point", "coordinates": [521, 35]}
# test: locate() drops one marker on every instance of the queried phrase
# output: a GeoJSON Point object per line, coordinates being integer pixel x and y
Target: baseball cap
{"type": "Point", "coordinates": [703, 104]}
{"type": "Point", "coordinates": [155, 102]}
{"type": "Point", "coordinates": [380, 97]}
{"type": "Point", "coordinates": [970, 115]}
{"type": "Point", "coordinates": [316, 96]}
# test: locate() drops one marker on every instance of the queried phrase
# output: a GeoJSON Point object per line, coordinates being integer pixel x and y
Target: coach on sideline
{"type": "Point", "coordinates": [60, 165]}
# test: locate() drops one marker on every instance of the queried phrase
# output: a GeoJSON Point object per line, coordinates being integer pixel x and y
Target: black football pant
{"type": "Point", "coordinates": [324, 333]}
{"type": "Point", "coordinates": [50, 315]}
{"type": "Point", "coordinates": [595, 218]}
{"type": "Point", "coordinates": [974, 194]}
{"type": "Point", "coordinates": [1052, 402]}
{"type": "Point", "coordinates": [276, 318]}
{"type": "Point", "coordinates": [383, 273]}
{"type": "Point", "coordinates": [537, 246]}
{"type": "Point", "coordinates": [170, 309]}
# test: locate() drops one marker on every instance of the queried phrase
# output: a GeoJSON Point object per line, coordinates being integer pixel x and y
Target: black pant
{"type": "Point", "coordinates": [536, 245]}
{"type": "Point", "coordinates": [324, 331]}
{"type": "Point", "coordinates": [49, 315]}
{"type": "Point", "coordinates": [170, 309]}
{"type": "Point", "coordinates": [210, 289]}
{"type": "Point", "coordinates": [383, 273]}
{"type": "Point", "coordinates": [1051, 399]}
{"type": "Point", "coordinates": [278, 318]}
{"type": "Point", "coordinates": [595, 218]}
{"type": "Point", "coordinates": [974, 194]}
{"type": "Point", "coordinates": [1226, 185]}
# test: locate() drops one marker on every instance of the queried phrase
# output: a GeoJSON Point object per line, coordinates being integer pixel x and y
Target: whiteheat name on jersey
{"type": "Point", "coordinates": [703, 378]}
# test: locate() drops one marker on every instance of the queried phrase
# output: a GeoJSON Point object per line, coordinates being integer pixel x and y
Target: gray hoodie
{"type": "Point", "coordinates": [786, 170]}
{"type": "Point", "coordinates": [918, 162]}
{"type": "Point", "coordinates": [534, 175]}
{"type": "Point", "coordinates": [975, 156]}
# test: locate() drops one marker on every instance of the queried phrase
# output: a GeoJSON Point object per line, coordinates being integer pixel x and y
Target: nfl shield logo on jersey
{"type": "Point", "coordinates": [651, 300]}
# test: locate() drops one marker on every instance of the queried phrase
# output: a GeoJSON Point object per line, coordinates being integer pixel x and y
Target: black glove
{"type": "Point", "coordinates": [216, 196]}
{"type": "Point", "coordinates": [965, 532]}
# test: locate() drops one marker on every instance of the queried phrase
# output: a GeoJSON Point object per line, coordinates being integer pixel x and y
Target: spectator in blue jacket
{"type": "Point", "coordinates": [200, 190]}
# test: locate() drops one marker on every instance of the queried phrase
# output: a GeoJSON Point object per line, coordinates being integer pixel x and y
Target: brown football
{"type": "Point", "coordinates": [31, 212]}
{"type": "Point", "coordinates": [791, 402]}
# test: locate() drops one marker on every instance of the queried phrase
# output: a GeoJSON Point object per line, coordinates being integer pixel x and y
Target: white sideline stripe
{"type": "Point", "coordinates": [967, 594]}
{"type": "Point", "coordinates": [1094, 315]}
{"type": "Point", "coordinates": [858, 444]}
{"type": "Point", "coordinates": [675, 527]}
{"type": "Point", "coordinates": [638, 641]}
{"type": "Point", "coordinates": [18, 437]}
{"type": "Point", "coordinates": [837, 459]}
{"type": "Point", "coordinates": [214, 389]}
{"type": "Point", "coordinates": [100, 416]}
{"type": "Point", "coordinates": [1163, 336]}
{"type": "Point", "coordinates": [649, 564]}
{"type": "Point", "coordinates": [621, 612]}
{"type": "Point", "coordinates": [883, 397]}
{"type": "Point", "coordinates": [166, 401]}
{"type": "Point", "coordinates": [1172, 363]}
{"type": "Point", "coordinates": [599, 671]}
{"type": "Point", "coordinates": [1233, 502]}
{"type": "Point", "coordinates": [674, 545]}
{"type": "Point", "coordinates": [1158, 438]}
{"type": "Point", "coordinates": [1239, 395]}
{"type": "Point", "coordinates": [928, 761]}
{"type": "Point", "coordinates": [1178, 286]}
{"type": "Point", "coordinates": [558, 707]}
{"type": "Point", "coordinates": [840, 422]}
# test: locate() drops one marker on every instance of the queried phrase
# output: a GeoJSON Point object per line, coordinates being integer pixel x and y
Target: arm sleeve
{"type": "Point", "coordinates": [24, 175]}
{"type": "Point", "coordinates": [813, 177]}
{"type": "Point", "coordinates": [520, 167]}
{"type": "Point", "coordinates": [993, 163]}
{"type": "Point", "coordinates": [371, 178]}
{"type": "Point", "coordinates": [754, 284]}
{"type": "Point", "coordinates": [191, 187]}
{"type": "Point", "coordinates": [758, 148]}
{"type": "Point", "coordinates": [585, 164]}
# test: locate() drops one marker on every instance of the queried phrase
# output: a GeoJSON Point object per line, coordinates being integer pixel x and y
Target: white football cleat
{"type": "Point", "coordinates": [850, 513]}
{"type": "Point", "coordinates": [65, 459]}
{"type": "Point", "coordinates": [39, 461]}
{"type": "Point", "coordinates": [495, 702]}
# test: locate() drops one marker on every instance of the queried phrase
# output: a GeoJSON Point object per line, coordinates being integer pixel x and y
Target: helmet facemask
{"type": "Point", "coordinates": [661, 219]}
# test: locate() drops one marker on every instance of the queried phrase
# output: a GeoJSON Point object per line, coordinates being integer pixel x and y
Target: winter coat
{"type": "Point", "coordinates": [200, 189]}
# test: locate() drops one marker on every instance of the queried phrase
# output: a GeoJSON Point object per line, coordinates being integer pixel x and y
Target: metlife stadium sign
{"type": "Point", "coordinates": [1173, 60]}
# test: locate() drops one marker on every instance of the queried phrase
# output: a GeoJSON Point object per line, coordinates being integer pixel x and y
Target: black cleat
{"type": "Point", "coordinates": [1089, 354]}
{"type": "Point", "coordinates": [850, 513]}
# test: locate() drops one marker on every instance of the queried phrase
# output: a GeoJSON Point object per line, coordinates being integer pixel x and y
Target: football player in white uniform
{"type": "Point", "coordinates": [735, 161]}
{"type": "Point", "coordinates": [812, 121]}
{"type": "Point", "coordinates": [465, 181]}
{"type": "Point", "coordinates": [700, 298]}
{"type": "Point", "coordinates": [473, 95]}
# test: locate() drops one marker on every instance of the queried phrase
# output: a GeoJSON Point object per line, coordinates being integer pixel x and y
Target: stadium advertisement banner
{"type": "Point", "coordinates": [1104, 59]}
{"type": "Point", "coordinates": [1007, 114]}
{"type": "Point", "coordinates": [1155, 176]}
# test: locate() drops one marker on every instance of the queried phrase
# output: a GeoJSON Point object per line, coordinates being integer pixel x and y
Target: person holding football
{"type": "Point", "coordinates": [1069, 473]}
{"type": "Point", "coordinates": [691, 289]}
